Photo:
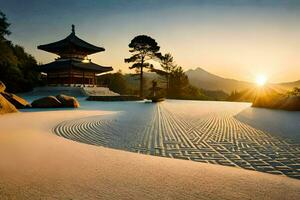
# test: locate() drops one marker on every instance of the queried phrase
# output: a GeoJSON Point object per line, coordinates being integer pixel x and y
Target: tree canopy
{"type": "Point", "coordinates": [3, 25]}
{"type": "Point", "coordinates": [17, 68]}
{"type": "Point", "coordinates": [143, 48]}
{"type": "Point", "coordinates": [168, 66]}
{"type": "Point", "coordinates": [115, 82]}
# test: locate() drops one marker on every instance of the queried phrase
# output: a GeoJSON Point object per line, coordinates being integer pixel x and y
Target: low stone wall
{"type": "Point", "coordinates": [71, 91]}
{"type": "Point", "coordinates": [54, 90]}
{"type": "Point", "coordinates": [99, 91]}
{"type": "Point", "coordinates": [114, 98]}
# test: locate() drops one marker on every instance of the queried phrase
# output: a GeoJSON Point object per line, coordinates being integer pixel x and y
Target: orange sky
{"type": "Point", "coordinates": [236, 41]}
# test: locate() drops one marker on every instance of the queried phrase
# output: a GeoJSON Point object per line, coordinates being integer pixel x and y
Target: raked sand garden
{"type": "Point", "coordinates": [136, 150]}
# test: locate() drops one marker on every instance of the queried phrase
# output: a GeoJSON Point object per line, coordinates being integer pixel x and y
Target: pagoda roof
{"type": "Point", "coordinates": [71, 44]}
{"type": "Point", "coordinates": [70, 63]}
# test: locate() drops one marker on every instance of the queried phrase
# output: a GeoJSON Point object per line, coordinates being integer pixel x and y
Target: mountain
{"type": "Point", "coordinates": [202, 79]}
{"type": "Point", "coordinates": [290, 85]}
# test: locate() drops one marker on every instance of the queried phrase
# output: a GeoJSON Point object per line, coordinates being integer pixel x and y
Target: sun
{"type": "Point", "coordinates": [261, 80]}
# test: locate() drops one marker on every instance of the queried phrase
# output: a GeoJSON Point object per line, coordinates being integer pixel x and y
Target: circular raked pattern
{"type": "Point", "coordinates": [169, 130]}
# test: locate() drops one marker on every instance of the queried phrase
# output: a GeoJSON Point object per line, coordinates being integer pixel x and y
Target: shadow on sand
{"type": "Point", "coordinates": [282, 123]}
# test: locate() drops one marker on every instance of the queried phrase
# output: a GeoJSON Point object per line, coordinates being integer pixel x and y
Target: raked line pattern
{"type": "Point", "coordinates": [216, 138]}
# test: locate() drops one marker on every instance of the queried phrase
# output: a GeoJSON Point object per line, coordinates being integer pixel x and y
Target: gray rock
{"type": "Point", "coordinates": [46, 102]}
{"type": "Point", "coordinates": [6, 106]}
{"type": "Point", "coordinates": [2, 87]}
{"type": "Point", "coordinates": [68, 101]}
{"type": "Point", "coordinates": [17, 101]}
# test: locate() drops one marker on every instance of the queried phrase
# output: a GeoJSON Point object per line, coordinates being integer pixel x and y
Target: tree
{"type": "Point", "coordinates": [168, 66]}
{"type": "Point", "coordinates": [178, 82]}
{"type": "Point", "coordinates": [143, 49]}
{"type": "Point", "coordinates": [17, 68]}
{"type": "Point", "coordinates": [115, 82]}
{"type": "Point", "coordinates": [3, 26]}
{"type": "Point", "coordinates": [294, 92]}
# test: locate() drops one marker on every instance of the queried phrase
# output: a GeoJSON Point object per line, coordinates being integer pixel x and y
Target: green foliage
{"type": "Point", "coordinates": [115, 82]}
{"type": "Point", "coordinates": [167, 63]}
{"type": "Point", "coordinates": [168, 66]}
{"type": "Point", "coordinates": [180, 88]}
{"type": "Point", "coordinates": [3, 26]}
{"type": "Point", "coordinates": [242, 96]}
{"type": "Point", "coordinates": [215, 95]}
{"type": "Point", "coordinates": [143, 49]}
{"type": "Point", "coordinates": [178, 83]}
{"type": "Point", "coordinates": [17, 68]}
{"type": "Point", "coordinates": [294, 92]}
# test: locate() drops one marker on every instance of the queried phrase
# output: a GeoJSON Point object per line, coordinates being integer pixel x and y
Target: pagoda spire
{"type": "Point", "coordinates": [73, 28]}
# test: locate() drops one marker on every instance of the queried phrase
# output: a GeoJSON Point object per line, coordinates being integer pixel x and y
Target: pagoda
{"type": "Point", "coordinates": [72, 67]}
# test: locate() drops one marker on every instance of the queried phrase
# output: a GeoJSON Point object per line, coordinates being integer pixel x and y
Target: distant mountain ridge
{"type": "Point", "coordinates": [202, 79]}
{"type": "Point", "coordinates": [205, 80]}
{"type": "Point", "coordinates": [291, 84]}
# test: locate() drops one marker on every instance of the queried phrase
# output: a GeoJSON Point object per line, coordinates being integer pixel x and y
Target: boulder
{"type": "Point", "coordinates": [264, 102]}
{"type": "Point", "coordinates": [6, 106]}
{"type": "Point", "coordinates": [68, 101]}
{"type": "Point", "coordinates": [46, 102]}
{"type": "Point", "coordinates": [2, 87]}
{"type": "Point", "coordinates": [17, 101]}
{"type": "Point", "coordinates": [278, 102]}
{"type": "Point", "coordinates": [291, 103]}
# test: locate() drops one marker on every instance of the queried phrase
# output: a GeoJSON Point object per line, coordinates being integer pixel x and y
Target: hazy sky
{"type": "Point", "coordinates": [234, 38]}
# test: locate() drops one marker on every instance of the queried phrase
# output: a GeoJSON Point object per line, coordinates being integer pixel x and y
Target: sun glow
{"type": "Point", "coordinates": [261, 80]}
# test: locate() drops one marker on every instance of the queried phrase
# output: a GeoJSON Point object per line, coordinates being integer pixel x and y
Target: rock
{"type": "Point", "coordinates": [46, 102]}
{"type": "Point", "coordinates": [68, 101]}
{"type": "Point", "coordinates": [6, 106]}
{"type": "Point", "coordinates": [2, 87]}
{"type": "Point", "coordinates": [291, 103]}
{"type": "Point", "coordinates": [278, 102]}
{"type": "Point", "coordinates": [264, 102]}
{"type": "Point", "coordinates": [17, 101]}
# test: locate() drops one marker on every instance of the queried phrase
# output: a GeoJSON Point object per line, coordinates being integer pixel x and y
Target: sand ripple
{"type": "Point", "coordinates": [188, 132]}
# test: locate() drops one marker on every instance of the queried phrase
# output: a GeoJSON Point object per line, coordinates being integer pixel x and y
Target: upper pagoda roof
{"type": "Point", "coordinates": [71, 45]}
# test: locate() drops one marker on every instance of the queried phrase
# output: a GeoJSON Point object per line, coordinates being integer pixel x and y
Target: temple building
{"type": "Point", "coordinates": [72, 67]}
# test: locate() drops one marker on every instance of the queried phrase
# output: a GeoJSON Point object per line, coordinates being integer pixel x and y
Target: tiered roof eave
{"type": "Point", "coordinates": [71, 41]}
{"type": "Point", "coordinates": [75, 64]}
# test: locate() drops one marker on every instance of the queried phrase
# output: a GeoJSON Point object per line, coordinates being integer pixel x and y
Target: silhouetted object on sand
{"type": "Point", "coordinates": [155, 95]}
{"type": "Point", "coordinates": [73, 66]}
{"type": "Point", "coordinates": [143, 49]}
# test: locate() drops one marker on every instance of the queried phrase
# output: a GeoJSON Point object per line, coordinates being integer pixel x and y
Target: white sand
{"type": "Point", "coordinates": [36, 164]}
{"type": "Point", "coordinates": [282, 123]}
